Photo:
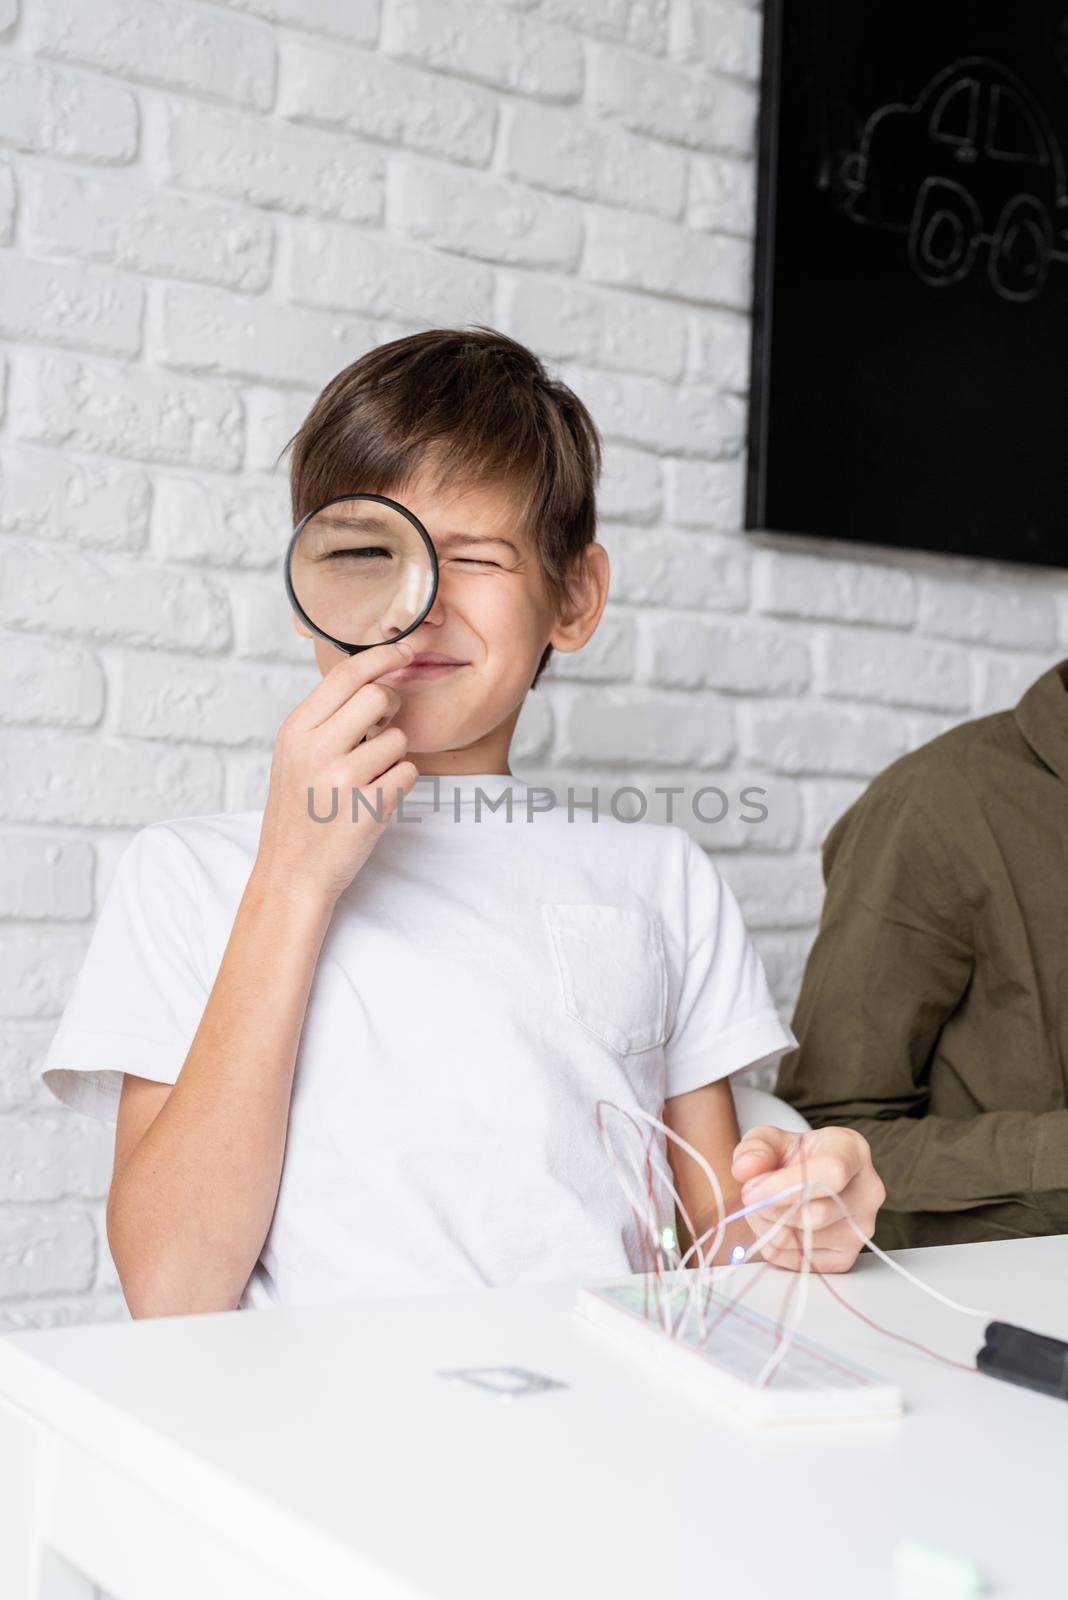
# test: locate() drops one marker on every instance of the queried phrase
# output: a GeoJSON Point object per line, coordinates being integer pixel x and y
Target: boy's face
{"type": "Point", "coordinates": [492, 615]}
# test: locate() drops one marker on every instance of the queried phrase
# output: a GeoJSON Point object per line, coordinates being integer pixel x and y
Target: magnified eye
{"type": "Point", "coordinates": [364, 553]}
{"type": "Point", "coordinates": [360, 569]}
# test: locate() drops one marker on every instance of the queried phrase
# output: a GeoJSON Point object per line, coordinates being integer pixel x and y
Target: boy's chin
{"type": "Point", "coordinates": [431, 734]}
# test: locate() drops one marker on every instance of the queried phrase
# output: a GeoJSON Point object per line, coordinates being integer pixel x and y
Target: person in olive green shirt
{"type": "Point", "coordinates": [933, 1015]}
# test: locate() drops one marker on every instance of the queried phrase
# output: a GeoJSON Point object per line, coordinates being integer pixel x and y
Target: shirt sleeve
{"type": "Point", "coordinates": [725, 1019]}
{"type": "Point", "coordinates": [141, 991]}
{"type": "Point", "coordinates": [890, 964]}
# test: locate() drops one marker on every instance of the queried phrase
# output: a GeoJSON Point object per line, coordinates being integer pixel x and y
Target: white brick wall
{"type": "Point", "coordinates": [206, 209]}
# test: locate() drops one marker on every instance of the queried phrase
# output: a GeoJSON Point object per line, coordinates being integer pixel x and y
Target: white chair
{"type": "Point", "coordinates": [757, 1108]}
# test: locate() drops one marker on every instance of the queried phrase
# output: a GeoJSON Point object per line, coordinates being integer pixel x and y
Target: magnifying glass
{"type": "Point", "coordinates": [361, 570]}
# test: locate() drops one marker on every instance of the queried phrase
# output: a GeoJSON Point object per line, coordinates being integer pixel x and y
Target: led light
{"type": "Point", "coordinates": [737, 1254]}
{"type": "Point", "coordinates": [667, 1238]}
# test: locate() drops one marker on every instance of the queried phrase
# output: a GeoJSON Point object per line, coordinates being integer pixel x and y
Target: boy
{"type": "Point", "coordinates": [365, 1057]}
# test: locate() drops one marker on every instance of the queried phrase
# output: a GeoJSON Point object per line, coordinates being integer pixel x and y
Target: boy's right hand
{"type": "Point", "coordinates": [319, 748]}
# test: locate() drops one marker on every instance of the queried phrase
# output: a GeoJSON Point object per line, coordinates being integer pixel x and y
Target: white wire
{"type": "Point", "coordinates": [646, 1205]}
{"type": "Point", "coordinates": [643, 1203]}
{"type": "Point", "coordinates": [697, 1279]}
{"type": "Point", "coordinates": [818, 1189]}
{"type": "Point", "coordinates": [936, 1294]}
{"type": "Point", "coordinates": [797, 1310]}
{"type": "Point", "coordinates": [683, 1144]}
{"type": "Point", "coordinates": [686, 1280]}
{"type": "Point", "coordinates": [746, 1211]}
{"type": "Point", "coordinates": [762, 1239]}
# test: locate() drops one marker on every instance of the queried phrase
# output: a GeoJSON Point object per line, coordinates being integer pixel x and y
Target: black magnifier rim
{"type": "Point", "coordinates": [384, 500]}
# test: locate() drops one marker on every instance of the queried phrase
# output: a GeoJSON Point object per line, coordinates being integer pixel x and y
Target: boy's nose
{"type": "Point", "coordinates": [437, 610]}
{"type": "Point", "coordinates": [400, 615]}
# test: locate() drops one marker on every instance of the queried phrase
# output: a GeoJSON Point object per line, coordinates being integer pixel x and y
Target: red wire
{"type": "Point", "coordinates": [653, 1256]}
{"type": "Point", "coordinates": [926, 1350]}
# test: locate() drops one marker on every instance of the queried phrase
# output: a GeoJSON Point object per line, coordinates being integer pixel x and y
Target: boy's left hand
{"type": "Point", "coordinates": [767, 1161]}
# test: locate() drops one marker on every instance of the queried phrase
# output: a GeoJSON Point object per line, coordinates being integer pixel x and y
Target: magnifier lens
{"type": "Point", "coordinates": [361, 571]}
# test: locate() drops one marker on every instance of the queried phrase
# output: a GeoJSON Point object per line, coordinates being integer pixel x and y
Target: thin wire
{"type": "Point", "coordinates": [800, 1301]}
{"type": "Point", "coordinates": [696, 1282]}
{"type": "Point", "coordinates": [936, 1294]}
{"type": "Point", "coordinates": [746, 1211]}
{"type": "Point", "coordinates": [648, 1205]}
{"type": "Point", "coordinates": [732, 1304]}
{"type": "Point", "coordinates": [690, 1289]}
{"type": "Point", "coordinates": [702, 1162]}
{"type": "Point", "coordinates": [962, 1366]}
{"type": "Point", "coordinates": [761, 1240]}
{"type": "Point", "coordinates": [792, 1280]}
{"type": "Point", "coordinates": [648, 1233]}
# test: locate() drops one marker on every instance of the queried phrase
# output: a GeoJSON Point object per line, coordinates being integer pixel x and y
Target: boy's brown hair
{"type": "Point", "coordinates": [474, 407]}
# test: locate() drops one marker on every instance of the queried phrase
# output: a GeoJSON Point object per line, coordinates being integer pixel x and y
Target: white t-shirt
{"type": "Point", "coordinates": [483, 984]}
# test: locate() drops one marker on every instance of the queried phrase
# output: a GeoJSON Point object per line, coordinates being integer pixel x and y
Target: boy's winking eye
{"type": "Point", "coordinates": [484, 550]}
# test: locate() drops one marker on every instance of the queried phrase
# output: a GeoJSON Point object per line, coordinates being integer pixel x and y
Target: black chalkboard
{"type": "Point", "coordinates": [910, 336]}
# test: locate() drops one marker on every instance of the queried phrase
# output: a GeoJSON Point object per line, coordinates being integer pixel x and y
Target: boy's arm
{"type": "Point", "coordinates": [194, 1190]}
{"type": "Point", "coordinates": [889, 966]}
{"type": "Point", "coordinates": [192, 1196]}
{"type": "Point", "coordinates": [765, 1163]}
{"type": "Point", "coordinates": [706, 1118]}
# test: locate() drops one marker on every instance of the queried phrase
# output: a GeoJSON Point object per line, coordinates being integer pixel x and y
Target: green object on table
{"type": "Point", "coordinates": [924, 1573]}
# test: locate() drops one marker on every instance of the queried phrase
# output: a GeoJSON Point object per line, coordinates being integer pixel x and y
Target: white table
{"type": "Point", "coordinates": [308, 1452]}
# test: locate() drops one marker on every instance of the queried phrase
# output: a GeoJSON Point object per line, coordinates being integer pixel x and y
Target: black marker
{"type": "Point", "coordinates": [1032, 1359]}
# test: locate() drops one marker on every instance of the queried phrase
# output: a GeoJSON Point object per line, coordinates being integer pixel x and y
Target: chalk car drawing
{"type": "Point", "coordinates": [972, 163]}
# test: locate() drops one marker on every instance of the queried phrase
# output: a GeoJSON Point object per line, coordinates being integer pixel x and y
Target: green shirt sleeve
{"type": "Point", "coordinates": [891, 962]}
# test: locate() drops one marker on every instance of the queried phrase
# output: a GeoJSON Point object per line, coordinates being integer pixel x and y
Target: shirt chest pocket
{"type": "Point", "coordinates": [611, 972]}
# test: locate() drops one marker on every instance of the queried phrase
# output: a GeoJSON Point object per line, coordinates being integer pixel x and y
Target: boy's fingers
{"type": "Point", "coordinates": [350, 726]}
{"type": "Point", "coordinates": [348, 675]}
{"type": "Point", "coordinates": [831, 1163]}
{"type": "Point", "coordinates": [823, 1216]}
{"type": "Point", "coordinates": [751, 1160]}
{"type": "Point", "coordinates": [813, 1173]}
{"type": "Point", "coordinates": [762, 1150]}
{"type": "Point", "coordinates": [792, 1259]}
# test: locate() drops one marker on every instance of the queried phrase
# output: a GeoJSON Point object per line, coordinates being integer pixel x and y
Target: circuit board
{"type": "Point", "coordinates": [810, 1383]}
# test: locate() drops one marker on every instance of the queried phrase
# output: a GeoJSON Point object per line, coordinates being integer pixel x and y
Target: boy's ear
{"type": "Point", "coordinates": [588, 591]}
